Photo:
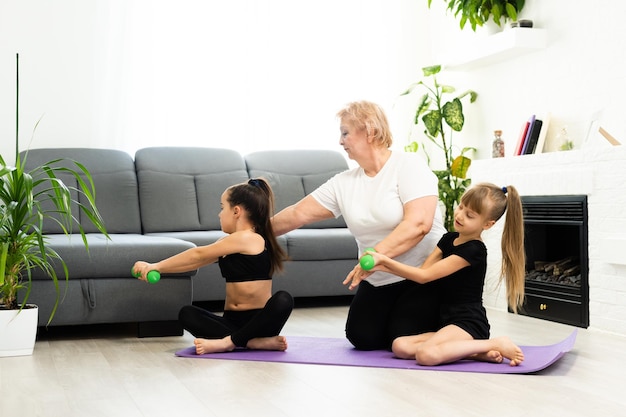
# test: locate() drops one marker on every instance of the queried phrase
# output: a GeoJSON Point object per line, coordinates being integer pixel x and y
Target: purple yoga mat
{"type": "Point", "coordinates": [334, 351]}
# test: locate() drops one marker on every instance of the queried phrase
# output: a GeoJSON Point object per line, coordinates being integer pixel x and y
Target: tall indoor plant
{"type": "Point", "coordinates": [27, 199]}
{"type": "Point", "coordinates": [438, 116]}
{"type": "Point", "coordinates": [479, 12]}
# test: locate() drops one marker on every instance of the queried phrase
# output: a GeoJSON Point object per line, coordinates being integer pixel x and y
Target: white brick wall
{"type": "Point", "coordinates": [599, 173]}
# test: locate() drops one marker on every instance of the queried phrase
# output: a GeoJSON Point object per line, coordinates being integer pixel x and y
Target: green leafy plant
{"type": "Point", "coordinates": [439, 115]}
{"type": "Point", "coordinates": [27, 198]}
{"type": "Point", "coordinates": [478, 12]}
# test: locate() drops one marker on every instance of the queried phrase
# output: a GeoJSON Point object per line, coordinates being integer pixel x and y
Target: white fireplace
{"type": "Point", "coordinates": [600, 174]}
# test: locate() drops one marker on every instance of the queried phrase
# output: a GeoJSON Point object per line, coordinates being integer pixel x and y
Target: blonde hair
{"type": "Point", "coordinates": [495, 201]}
{"type": "Point", "coordinates": [368, 116]}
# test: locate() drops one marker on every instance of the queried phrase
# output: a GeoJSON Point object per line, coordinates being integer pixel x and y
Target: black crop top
{"type": "Point", "coordinates": [238, 267]}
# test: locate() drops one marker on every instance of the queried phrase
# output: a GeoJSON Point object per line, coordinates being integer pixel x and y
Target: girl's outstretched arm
{"type": "Point", "coordinates": [433, 268]}
{"type": "Point", "coordinates": [194, 258]}
{"type": "Point", "coordinates": [185, 261]}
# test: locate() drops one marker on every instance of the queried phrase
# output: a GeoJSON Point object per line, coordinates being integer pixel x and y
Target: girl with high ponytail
{"type": "Point", "coordinates": [248, 257]}
{"type": "Point", "coordinates": [457, 267]}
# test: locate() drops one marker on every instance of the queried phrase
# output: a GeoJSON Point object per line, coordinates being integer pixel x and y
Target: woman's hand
{"type": "Point", "coordinates": [358, 274]}
{"type": "Point", "coordinates": [355, 277]}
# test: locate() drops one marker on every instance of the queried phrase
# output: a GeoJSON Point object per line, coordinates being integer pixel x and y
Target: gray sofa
{"type": "Point", "coordinates": [167, 200]}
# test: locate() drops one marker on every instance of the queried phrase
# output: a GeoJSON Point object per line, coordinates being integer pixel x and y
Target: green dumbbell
{"type": "Point", "coordinates": [153, 276]}
{"type": "Point", "coordinates": [367, 261]}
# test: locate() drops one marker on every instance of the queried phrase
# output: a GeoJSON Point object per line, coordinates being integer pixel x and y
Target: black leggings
{"type": "Point", "coordinates": [378, 315]}
{"type": "Point", "coordinates": [241, 326]}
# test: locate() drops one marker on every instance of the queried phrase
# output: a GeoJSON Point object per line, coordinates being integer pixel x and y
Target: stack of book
{"type": "Point", "coordinates": [532, 137]}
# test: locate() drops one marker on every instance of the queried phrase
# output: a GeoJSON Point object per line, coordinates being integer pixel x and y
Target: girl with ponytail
{"type": "Point", "coordinates": [457, 267]}
{"type": "Point", "coordinates": [248, 257]}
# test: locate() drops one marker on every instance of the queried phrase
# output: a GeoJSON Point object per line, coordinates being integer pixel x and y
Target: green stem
{"type": "Point", "coordinates": [3, 261]}
{"type": "Point", "coordinates": [17, 104]}
{"type": "Point", "coordinates": [444, 146]}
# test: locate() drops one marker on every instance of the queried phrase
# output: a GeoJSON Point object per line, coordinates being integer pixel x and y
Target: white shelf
{"type": "Point", "coordinates": [501, 46]}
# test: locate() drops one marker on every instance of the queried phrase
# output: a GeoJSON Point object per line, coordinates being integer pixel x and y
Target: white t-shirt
{"type": "Point", "coordinates": [373, 206]}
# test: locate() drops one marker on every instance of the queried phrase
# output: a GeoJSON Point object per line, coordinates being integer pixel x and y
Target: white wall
{"type": "Point", "coordinates": [581, 71]}
{"type": "Point", "coordinates": [272, 73]}
{"type": "Point", "coordinates": [247, 75]}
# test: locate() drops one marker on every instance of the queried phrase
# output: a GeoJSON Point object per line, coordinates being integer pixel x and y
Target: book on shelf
{"type": "Point", "coordinates": [533, 137]}
{"type": "Point", "coordinates": [531, 121]}
{"type": "Point", "coordinates": [541, 142]}
{"type": "Point", "coordinates": [606, 135]}
{"type": "Point", "coordinates": [522, 137]}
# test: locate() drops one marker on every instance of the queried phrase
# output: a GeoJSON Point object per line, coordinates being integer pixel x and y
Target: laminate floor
{"type": "Point", "coordinates": [108, 371]}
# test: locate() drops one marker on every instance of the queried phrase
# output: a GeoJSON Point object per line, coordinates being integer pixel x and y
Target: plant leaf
{"type": "Point", "coordinates": [495, 11]}
{"type": "Point", "coordinates": [410, 89]}
{"type": "Point", "coordinates": [460, 165]}
{"type": "Point", "coordinates": [453, 114]}
{"type": "Point", "coordinates": [432, 70]}
{"type": "Point", "coordinates": [473, 95]}
{"type": "Point", "coordinates": [447, 89]}
{"type": "Point", "coordinates": [462, 21]}
{"type": "Point", "coordinates": [4, 169]}
{"type": "Point", "coordinates": [511, 12]}
{"type": "Point", "coordinates": [432, 120]}
{"type": "Point", "coordinates": [411, 147]}
{"type": "Point", "coordinates": [3, 260]}
{"type": "Point", "coordinates": [422, 108]}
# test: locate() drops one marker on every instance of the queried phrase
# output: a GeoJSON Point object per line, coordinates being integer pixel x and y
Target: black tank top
{"type": "Point", "coordinates": [238, 267]}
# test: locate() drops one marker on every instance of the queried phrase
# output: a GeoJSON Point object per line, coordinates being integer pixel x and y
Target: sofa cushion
{"type": "Point", "coordinates": [321, 244]}
{"type": "Point", "coordinates": [293, 174]}
{"type": "Point", "coordinates": [112, 300]}
{"type": "Point", "coordinates": [180, 187]}
{"type": "Point", "coordinates": [109, 258]}
{"type": "Point", "coordinates": [114, 177]}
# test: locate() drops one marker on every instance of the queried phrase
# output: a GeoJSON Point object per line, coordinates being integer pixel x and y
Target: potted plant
{"type": "Point", "coordinates": [478, 12]}
{"type": "Point", "coordinates": [27, 199]}
{"type": "Point", "coordinates": [438, 115]}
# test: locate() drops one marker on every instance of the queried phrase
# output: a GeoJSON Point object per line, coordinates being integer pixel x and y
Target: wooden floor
{"type": "Point", "coordinates": [107, 371]}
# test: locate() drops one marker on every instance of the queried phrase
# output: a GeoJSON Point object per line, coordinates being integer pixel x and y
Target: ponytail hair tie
{"type": "Point", "coordinates": [504, 190]}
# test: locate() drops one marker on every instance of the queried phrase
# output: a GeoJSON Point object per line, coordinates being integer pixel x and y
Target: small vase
{"type": "Point", "coordinates": [562, 138]}
{"type": "Point", "coordinates": [497, 146]}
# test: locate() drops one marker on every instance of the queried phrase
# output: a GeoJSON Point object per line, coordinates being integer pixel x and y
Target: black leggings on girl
{"type": "Point", "coordinates": [241, 326]}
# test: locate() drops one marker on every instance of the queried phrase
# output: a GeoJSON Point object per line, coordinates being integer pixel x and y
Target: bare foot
{"type": "Point", "coordinates": [213, 345]}
{"type": "Point", "coordinates": [268, 343]}
{"type": "Point", "coordinates": [492, 356]}
{"type": "Point", "coordinates": [509, 350]}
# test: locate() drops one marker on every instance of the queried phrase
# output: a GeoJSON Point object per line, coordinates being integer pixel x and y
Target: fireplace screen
{"type": "Point", "coordinates": [556, 246]}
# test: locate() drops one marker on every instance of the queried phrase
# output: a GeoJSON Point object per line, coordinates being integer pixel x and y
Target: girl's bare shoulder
{"type": "Point", "coordinates": [245, 241]}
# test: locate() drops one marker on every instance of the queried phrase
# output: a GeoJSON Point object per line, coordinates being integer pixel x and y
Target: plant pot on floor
{"type": "Point", "coordinates": [18, 331]}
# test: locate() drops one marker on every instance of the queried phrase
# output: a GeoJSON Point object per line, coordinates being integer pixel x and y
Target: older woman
{"type": "Point", "coordinates": [389, 203]}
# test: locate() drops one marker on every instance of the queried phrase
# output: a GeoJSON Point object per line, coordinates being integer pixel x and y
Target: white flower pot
{"type": "Point", "coordinates": [18, 331]}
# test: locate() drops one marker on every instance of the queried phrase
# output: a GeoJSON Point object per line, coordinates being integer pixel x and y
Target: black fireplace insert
{"type": "Point", "coordinates": [557, 270]}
